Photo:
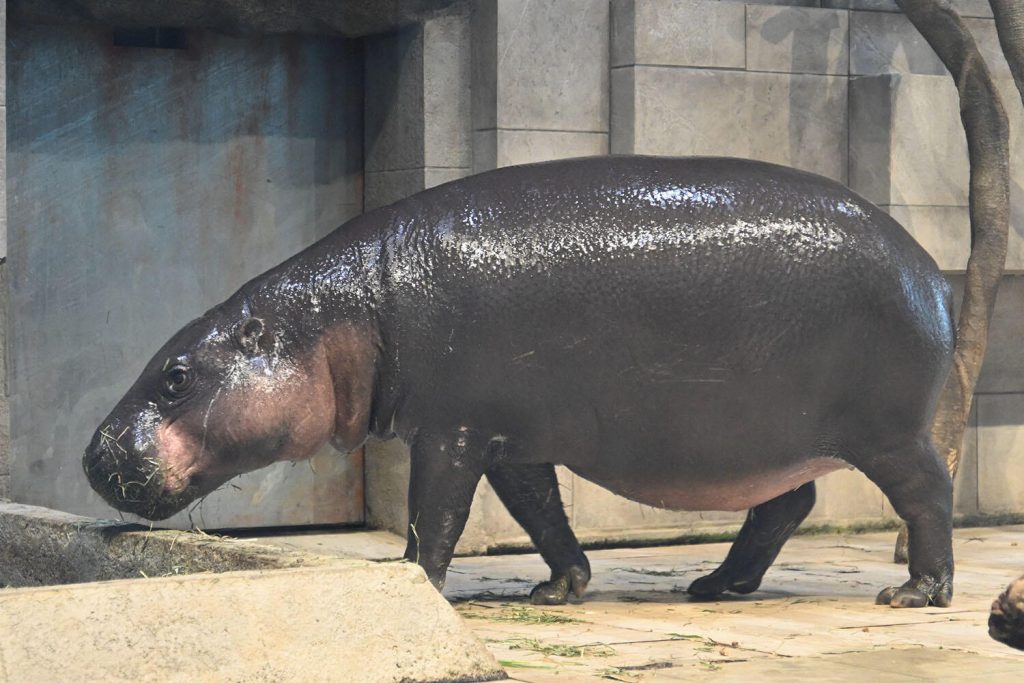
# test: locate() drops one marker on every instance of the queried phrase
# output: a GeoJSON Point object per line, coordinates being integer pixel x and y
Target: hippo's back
{"type": "Point", "coordinates": [710, 307]}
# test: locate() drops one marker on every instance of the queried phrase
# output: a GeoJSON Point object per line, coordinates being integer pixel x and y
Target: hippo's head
{"type": "Point", "coordinates": [231, 392]}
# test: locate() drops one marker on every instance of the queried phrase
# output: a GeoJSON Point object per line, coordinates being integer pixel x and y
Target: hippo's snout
{"type": "Point", "coordinates": [127, 480]}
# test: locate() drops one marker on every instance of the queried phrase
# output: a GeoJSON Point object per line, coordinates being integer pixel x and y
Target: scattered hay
{"type": "Point", "coordinates": [559, 650]}
{"type": "Point", "coordinates": [654, 572]}
{"type": "Point", "coordinates": [513, 664]}
{"type": "Point", "coordinates": [521, 614]}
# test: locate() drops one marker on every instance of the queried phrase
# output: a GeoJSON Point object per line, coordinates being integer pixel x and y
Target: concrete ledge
{"type": "Point", "coordinates": [39, 546]}
{"type": "Point", "coordinates": [358, 622]}
{"type": "Point", "coordinates": [352, 18]}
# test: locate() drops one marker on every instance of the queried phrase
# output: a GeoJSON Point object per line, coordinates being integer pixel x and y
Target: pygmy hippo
{"type": "Point", "coordinates": [693, 334]}
{"type": "Point", "coordinates": [1006, 620]}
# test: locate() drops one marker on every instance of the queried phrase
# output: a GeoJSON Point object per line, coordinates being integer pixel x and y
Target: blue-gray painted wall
{"type": "Point", "coordinates": [146, 185]}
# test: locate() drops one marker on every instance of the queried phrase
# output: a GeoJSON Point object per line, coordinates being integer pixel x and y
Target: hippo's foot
{"type": "Point", "coordinates": [1006, 621]}
{"type": "Point", "coordinates": [917, 593]}
{"type": "Point", "coordinates": [556, 591]}
{"type": "Point", "coordinates": [723, 581]}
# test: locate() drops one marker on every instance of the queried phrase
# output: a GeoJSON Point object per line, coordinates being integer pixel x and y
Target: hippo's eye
{"type": "Point", "coordinates": [177, 381]}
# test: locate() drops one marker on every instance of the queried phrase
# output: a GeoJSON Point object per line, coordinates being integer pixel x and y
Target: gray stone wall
{"type": "Point", "coordinates": [845, 88]}
{"type": "Point", "coordinates": [5, 416]}
{"type": "Point", "coordinates": [540, 80]}
{"type": "Point", "coordinates": [5, 412]}
{"type": "Point", "coordinates": [417, 131]}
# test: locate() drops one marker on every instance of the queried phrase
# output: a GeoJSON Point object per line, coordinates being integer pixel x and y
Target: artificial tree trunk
{"type": "Point", "coordinates": [1009, 15]}
{"type": "Point", "coordinates": [985, 125]}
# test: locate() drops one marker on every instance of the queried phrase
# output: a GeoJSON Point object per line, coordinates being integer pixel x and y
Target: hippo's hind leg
{"type": "Point", "coordinates": [444, 473]}
{"type": "Point", "coordinates": [530, 492]}
{"type": "Point", "coordinates": [917, 484]}
{"type": "Point", "coordinates": [767, 527]}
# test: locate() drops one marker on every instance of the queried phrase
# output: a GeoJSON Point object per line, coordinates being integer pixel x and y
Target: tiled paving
{"type": "Point", "coordinates": [814, 617]}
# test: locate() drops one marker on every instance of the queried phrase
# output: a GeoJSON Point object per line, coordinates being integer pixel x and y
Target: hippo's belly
{"type": "Point", "coordinates": [742, 491]}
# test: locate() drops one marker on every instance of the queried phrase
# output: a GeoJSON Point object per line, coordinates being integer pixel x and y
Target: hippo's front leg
{"type": "Point", "coordinates": [446, 468]}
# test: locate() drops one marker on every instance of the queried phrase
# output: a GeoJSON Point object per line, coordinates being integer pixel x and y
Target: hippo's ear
{"type": "Point", "coordinates": [254, 337]}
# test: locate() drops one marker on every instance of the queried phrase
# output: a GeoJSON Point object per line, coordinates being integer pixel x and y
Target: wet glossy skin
{"type": "Point", "coordinates": [690, 333]}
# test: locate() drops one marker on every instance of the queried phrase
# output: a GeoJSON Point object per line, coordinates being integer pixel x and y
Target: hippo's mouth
{"type": "Point", "coordinates": [142, 490]}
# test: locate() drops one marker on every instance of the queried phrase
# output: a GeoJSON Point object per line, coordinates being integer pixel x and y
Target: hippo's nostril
{"type": "Point", "coordinates": [124, 478]}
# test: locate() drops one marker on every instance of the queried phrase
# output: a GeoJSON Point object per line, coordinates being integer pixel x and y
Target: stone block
{"type": "Point", "coordinates": [845, 497]}
{"type": "Point", "coordinates": [907, 145]}
{"type": "Point", "coordinates": [797, 120]}
{"type": "Point", "coordinates": [622, 111]}
{"type": "Point", "coordinates": [497, 148]}
{"type": "Point", "coordinates": [540, 64]}
{"type": "Point", "coordinates": [908, 153]}
{"type": "Point", "coordinates": [881, 42]}
{"type": "Point", "coordinates": [888, 43]}
{"type": "Point", "coordinates": [1003, 370]}
{"type": "Point", "coordinates": [1000, 442]}
{"type": "Point", "coordinates": [447, 110]}
{"type": "Point", "coordinates": [395, 103]}
{"type": "Point", "coordinates": [677, 33]}
{"type": "Point", "coordinates": [418, 108]}
{"type": "Point", "coordinates": [3, 58]}
{"type": "Point", "coordinates": [358, 621]}
{"type": "Point", "coordinates": [797, 40]}
{"type": "Point", "coordinates": [384, 187]}
{"type": "Point", "coordinates": [971, 8]}
{"type": "Point", "coordinates": [966, 8]}
{"type": "Point", "coordinates": [433, 177]}
{"type": "Point", "coordinates": [484, 64]}
{"type": "Point", "coordinates": [792, 3]}
{"type": "Point", "coordinates": [418, 96]}
{"type": "Point", "coordinates": [944, 232]}
{"type": "Point", "coordinates": [387, 486]}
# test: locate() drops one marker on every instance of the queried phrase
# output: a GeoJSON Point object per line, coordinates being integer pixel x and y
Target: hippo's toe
{"type": "Point", "coordinates": [917, 593]}
{"type": "Point", "coordinates": [556, 590]}
{"type": "Point", "coordinates": [720, 581]}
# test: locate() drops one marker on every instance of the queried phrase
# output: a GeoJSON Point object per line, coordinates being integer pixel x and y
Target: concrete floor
{"type": "Point", "coordinates": [814, 615]}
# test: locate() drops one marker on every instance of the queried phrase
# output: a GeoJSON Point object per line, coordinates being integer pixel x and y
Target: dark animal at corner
{"type": "Point", "coordinates": [689, 333]}
{"type": "Point", "coordinates": [1006, 621]}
